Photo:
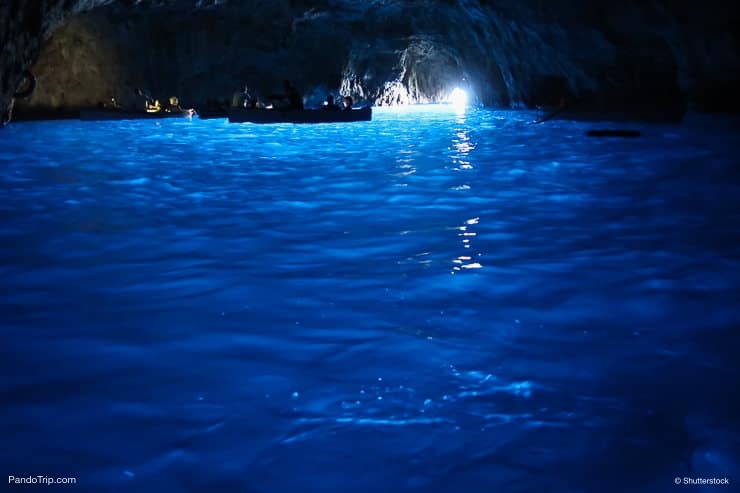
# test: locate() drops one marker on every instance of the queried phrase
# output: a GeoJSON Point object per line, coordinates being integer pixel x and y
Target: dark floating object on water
{"type": "Point", "coordinates": [211, 114]}
{"type": "Point", "coordinates": [613, 133]}
{"type": "Point", "coordinates": [98, 114]}
{"type": "Point", "coordinates": [242, 115]}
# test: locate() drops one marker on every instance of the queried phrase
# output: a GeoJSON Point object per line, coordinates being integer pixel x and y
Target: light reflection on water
{"type": "Point", "coordinates": [439, 296]}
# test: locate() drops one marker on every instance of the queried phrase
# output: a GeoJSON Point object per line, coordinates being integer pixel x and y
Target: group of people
{"type": "Point", "coordinates": [332, 106]}
{"type": "Point", "coordinates": [290, 99]}
{"type": "Point", "coordinates": [154, 106]}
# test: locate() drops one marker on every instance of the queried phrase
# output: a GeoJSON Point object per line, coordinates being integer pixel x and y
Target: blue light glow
{"type": "Point", "coordinates": [244, 305]}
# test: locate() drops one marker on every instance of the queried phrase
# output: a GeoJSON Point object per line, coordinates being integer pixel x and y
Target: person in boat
{"type": "Point", "coordinates": [146, 97]}
{"type": "Point", "coordinates": [330, 105]}
{"type": "Point", "coordinates": [347, 103]}
{"type": "Point", "coordinates": [250, 100]}
{"type": "Point", "coordinates": [153, 106]}
{"type": "Point", "coordinates": [244, 99]}
{"type": "Point", "coordinates": [295, 98]}
{"type": "Point", "coordinates": [291, 99]}
{"type": "Point", "coordinates": [236, 99]}
{"type": "Point", "coordinates": [174, 107]}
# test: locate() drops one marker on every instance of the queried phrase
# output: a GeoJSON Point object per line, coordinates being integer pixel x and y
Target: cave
{"type": "Point", "coordinates": [661, 56]}
{"type": "Point", "coordinates": [403, 246]}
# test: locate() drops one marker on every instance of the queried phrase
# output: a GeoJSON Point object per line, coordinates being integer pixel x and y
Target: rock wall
{"type": "Point", "coordinates": [506, 53]}
{"type": "Point", "coordinates": [24, 26]}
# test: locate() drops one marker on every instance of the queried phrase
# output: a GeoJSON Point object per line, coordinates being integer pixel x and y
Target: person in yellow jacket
{"type": "Point", "coordinates": [153, 107]}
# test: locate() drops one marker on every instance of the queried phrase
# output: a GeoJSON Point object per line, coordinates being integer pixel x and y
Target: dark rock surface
{"type": "Point", "coordinates": [24, 26]}
{"type": "Point", "coordinates": [631, 55]}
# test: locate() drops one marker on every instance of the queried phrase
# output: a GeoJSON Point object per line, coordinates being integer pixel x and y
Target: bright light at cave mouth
{"type": "Point", "coordinates": [458, 97]}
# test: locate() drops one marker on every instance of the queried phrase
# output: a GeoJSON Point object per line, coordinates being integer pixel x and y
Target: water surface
{"type": "Point", "coordinates": [431, 301]}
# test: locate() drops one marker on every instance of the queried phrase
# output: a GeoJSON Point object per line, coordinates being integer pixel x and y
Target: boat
{"type": "Point", "coordinates": [211, 113]}
{"type": "Point", "coordinates": [95, 114]}
{"type": "Point", "coordinates": [243, 115]}
{"type": "Point", "coordinates": [44, 114]}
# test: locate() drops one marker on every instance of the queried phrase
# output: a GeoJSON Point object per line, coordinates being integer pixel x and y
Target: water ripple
{"type": "Point", "coordinates": [443, 297]}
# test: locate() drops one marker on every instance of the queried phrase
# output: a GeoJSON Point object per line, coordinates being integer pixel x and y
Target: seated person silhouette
{"type": "Point", "coordinates": [347, 102]}
{"type": "Point", "coordinates": [330, 105]}
{"type": "Point", "coordinates": [291, 99]}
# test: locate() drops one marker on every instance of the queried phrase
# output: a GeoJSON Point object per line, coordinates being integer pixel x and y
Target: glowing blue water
{"type": "Point", "coordinates": [426, 302]}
